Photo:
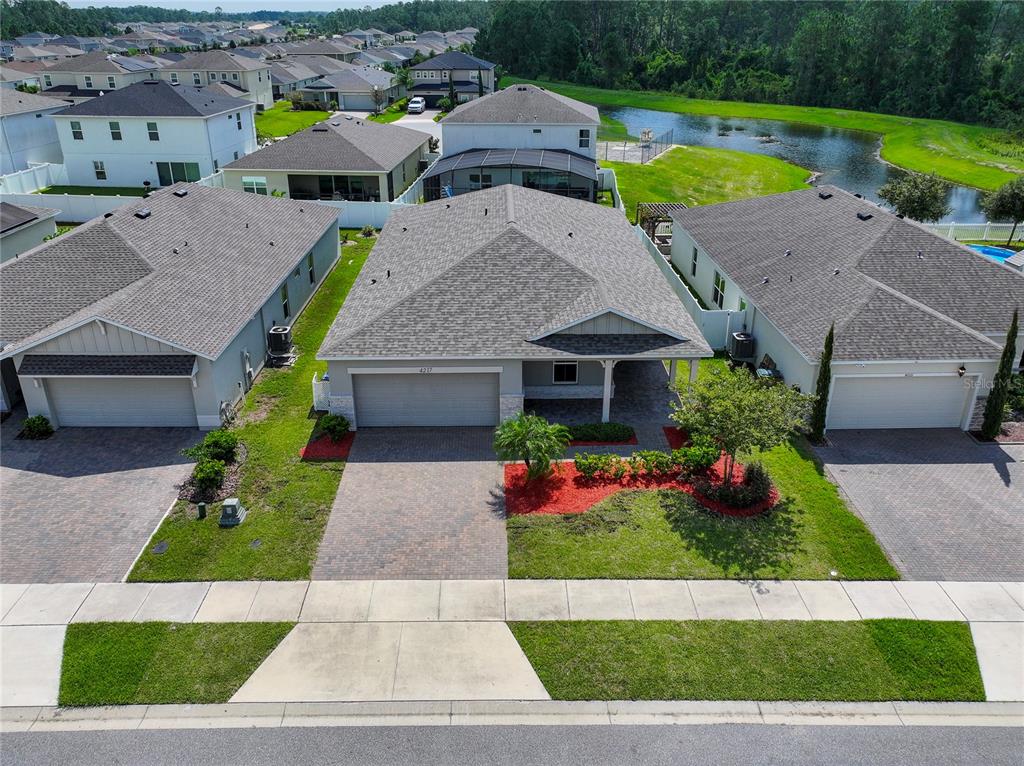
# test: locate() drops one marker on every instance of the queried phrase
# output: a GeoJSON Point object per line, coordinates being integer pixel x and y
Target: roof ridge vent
{"type": "Point", "coordinates": [510, 206]}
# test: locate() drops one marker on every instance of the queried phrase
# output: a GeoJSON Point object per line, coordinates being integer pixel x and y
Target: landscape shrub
{"type": "Point", "coordinates": [698, 457]}
{"type": "Point", "coordinates": [755, 487]}
{"type": "Point", "coordinates": [590, 465]}
{"type": "Point", "coordinates": [533, 440]}
{"type": "Point", "coordinates": [656, 463]}
{"type": "Point", "coordinates": [36, 427]}
{"type": "Point", "coordinates": [366, 231]}
{"type": "Point", "coordinates": [208, 474]}
{"type": "Point", "coordinates": [601, 432]}
{"type": "Point", "coordinates": [335, 426]}
{"type": "Point", "coordinates": [217, 445]}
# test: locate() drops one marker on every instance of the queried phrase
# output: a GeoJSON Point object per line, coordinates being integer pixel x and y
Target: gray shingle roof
{"type": "Point", "coordinates": [16, 102]}
{"type": "Point", "coordinates": [485, 274]}
{"type": "Point", "coordinates": [521, 105]}
{"type": "Point", "coordinates": [129, 365]}
{"type": "Point", "coordinates": [157, 98]}
{"type": "Point", "coordinates": [886, 301]}
{"type": "Point", "coordinates": [219, 61]}
{"type": "Point", "coordinates": [101, 62]}
{"type": "Point", "coordinates": [454, 60]}
{"type": "Point", "coordinates": [355, 80]}
{"type": "Point", "coordinates": [15, 216]}
{"type": "Point", "coordinates": [191, 274]}
{"type": "Point", "coordinates": [338, 145]}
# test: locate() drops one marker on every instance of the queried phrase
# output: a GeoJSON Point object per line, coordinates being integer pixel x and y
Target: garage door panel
{"type": "Point", "coordinates": [898, 402]}
{"type": "Point", "coordinates": [124, 402]}
{"type": "Point", "coordinates": [455, 399]}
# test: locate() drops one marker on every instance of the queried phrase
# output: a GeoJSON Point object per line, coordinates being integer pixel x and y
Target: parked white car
{"type": "Point", "coordinates": [416, 105]}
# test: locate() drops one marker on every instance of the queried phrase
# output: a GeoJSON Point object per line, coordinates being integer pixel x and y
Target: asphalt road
{"type": "Point", "coordinates": [746, 745]}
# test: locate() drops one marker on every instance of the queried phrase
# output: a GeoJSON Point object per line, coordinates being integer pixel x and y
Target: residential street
{"type": "Point", "coordinates": [550, 746]}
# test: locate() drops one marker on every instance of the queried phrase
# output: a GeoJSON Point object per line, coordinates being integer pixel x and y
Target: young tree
{"type": "Point", "coordinates": [480, 82]}
{"type": "Point", "coordinates": [1006, 204]}
{"type": "Point", "coordinates": [403, 79]}
{"type": "Point", "coordinates": [916, 196]}
{"type": "Point", "coordinates": [380, 99]}
{"type": "Point", "coordinates": [533, 440]}
{"type": "Point", "coordinates": [820, 408]}
{"type": "Point", "coordinates": [452, 97]}
{"type": "Point", "coordinates": [739, 413]}
{"type": "Point", "coordinates": [995, 404]}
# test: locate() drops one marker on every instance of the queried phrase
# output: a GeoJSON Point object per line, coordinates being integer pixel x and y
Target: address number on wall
{"type": "Point", "coordinates": [425, 370]}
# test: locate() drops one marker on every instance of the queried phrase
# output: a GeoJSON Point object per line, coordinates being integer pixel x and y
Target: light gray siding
{"type": "Point", "coordinates": [609, 324]}
{"type": "Point", "coordinates": [541, 374]}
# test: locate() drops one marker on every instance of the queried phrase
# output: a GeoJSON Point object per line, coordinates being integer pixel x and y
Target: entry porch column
{"type": "Point", "coordinates": [606, 399]}
{"type": "Point", "coordinates": [694, 366]}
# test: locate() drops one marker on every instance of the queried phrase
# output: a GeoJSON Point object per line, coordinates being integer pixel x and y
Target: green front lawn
{"type": "Point", "coordinates": [699, 175]}
{"type": "Point", "coordinates": [100, 191]}
{"type": "Point", "coordinates": [965, 154]}
{"type": "Point", "coordinates": [289, 500]}
{"type": "Point", "coordinates": [117, 663]}
{"type": "Point", "coordinates": [280, 120]}
{"type": "Point", "coordinates": [387, 116]}
{"type": "Point", "coordinates": [872, 660]}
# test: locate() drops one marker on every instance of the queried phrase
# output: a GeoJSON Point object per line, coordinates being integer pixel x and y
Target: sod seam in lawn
{"type": "Point", "coordinates": [289, 500]}
{"type": "Point", "coordinates": [955, 151]}
{"type": "Point", "coordinates": [119, 663]}
{"type": "Point", "coordinates": [871, 660]}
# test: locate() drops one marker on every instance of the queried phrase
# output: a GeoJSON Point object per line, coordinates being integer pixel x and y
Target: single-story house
{"type": "Point", "coordinates": [22, 227]}
{"type": "Point", "coordinates": [157, 314]}
{"type": "Point", "coordinates": [354, 89]}
{"type": "Point", "coordinates": [920, 321]}
{"type": "Point", "coordinates": [344, 158]}
{"type": "Point", "coordinates": [468, 306]}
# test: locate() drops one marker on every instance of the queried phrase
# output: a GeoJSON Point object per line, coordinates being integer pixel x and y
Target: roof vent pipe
{"type": "Point", "coordinates": [789, 253]}
{"type": "Point", "coordinates": [764, 281]}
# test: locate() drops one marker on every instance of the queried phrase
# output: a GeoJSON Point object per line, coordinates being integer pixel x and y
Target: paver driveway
{"type": "Point", "coordinates": [943, 506]}
{"type": "Point", "coordinates": [417, 503]}
{"type": "Point", "coordinates": [79, 506]}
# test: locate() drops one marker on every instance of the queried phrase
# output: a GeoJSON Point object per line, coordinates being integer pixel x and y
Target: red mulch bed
{"type": "Point", "coordinates": [567, 491]}
{"type": "Point", "coordinates": [1011, 432]}
{"type": "Point", "coordinates": [326, 449]}
{"type": "Point", "coordinates": [631, 440]}
{"type": "Point", "coordinates": [677, 437]}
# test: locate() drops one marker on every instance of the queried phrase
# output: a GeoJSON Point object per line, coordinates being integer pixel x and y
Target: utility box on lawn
{"type": "Point", "coordinates": [232, 513]}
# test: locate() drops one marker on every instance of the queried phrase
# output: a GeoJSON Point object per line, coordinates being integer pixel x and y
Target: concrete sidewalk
{"type": "Point", "coordinates": [509, 600]}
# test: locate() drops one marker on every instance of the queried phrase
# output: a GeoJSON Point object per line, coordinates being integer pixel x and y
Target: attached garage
{"type": "Point", "coordinates": [122, 401]}
{"type": "Point", "coordinates": [432, 399]}
{"type": "Point", "coordinates": [919, 401]}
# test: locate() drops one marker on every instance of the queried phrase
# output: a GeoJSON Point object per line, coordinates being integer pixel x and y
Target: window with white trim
{"type": "Point", "coordinates": [99, 169]}
{"type": "Point", "coordinates": [718, 292]}
{"type": "Point", "coordinates": [311, 268]}
{"type": "Point", "coordinates": [88, 81]}
{"type": "Point", "coordinates": [234, 76]}
{"type": "Point", "coordinates": [76, 130]}
{"type": "Point", "coordinates": [153, 130]}
{"type": "Point", "coordinates": [284, 301]}
{"type": "Point", "coordinates": [213, 76]}
{"type": "Point", "coordinates": [565, 373]}
{"type": "Point", "coordinates": [196, 79]}
{"type": "Point", "coordinates": [115, 131]}
{"type": "Point", "coordinates": [174, 78]}
{"type": "Point", "coordinates": [255, 184]}
{"type": "Point", "coordinates": [584, 138]}
{"type": "Point", "coordinates": [111, 82]}
{"type": "Point", "coordinates": [742, 306]}
{"type": "Point", "coordinates": [693, 263]}
{"type": "Point", "coordinates": [238, 120]}
{"type": "Point", "coordinates": [47, 80]}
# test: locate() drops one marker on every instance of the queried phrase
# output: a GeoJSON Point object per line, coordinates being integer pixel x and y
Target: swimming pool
{"type": "Point", "coordinates": [998, 254]}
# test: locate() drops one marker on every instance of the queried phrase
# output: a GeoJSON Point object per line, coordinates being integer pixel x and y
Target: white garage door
{"type": "Point", "coordinates": [918, 402]}
{"type": "Point", "coordinates": [439, 399]}
{"type": "Point", "coordinates": [122, 401]}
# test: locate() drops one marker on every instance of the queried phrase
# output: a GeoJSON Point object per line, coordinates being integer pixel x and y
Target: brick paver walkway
{"type": "Point", "coordinates": [80, 505]}
{"type": "Point", "coordinates": [417, 503]}
{"type": "Point", "coordinates": [942, 505]}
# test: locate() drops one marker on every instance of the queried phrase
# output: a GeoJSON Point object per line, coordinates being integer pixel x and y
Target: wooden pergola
{"type": "Point", "coordinates": [650, 214]}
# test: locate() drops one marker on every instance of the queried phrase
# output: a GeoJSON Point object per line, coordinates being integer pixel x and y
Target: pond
{"type": "Point", "coordinates": [846, 158]}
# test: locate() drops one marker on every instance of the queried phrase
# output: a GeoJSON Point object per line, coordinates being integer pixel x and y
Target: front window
{"type": "Point", "coordinates": [76, 130]}
{"type": "Point", "coordinates": [234, 76]}
{"type": "Point", "coordinates": [154, 132]}
{"type": "Point", "coordinates": [238, 120]}
{"type": "Point", "coordinates": [174, 78]}
{"type": "Point", "coordinates": [693, 263]}
{"type": "Point", "coordinates": [196, 79]}
{"type": "Point", "coordinates": [115, 131]}
{"type": "Point", "coordinates": [565, 373]}
{"type": "Point", "coordinates": [99, 170]}
{"type": "Point", "coordinates": [88, 81]}
{"type": "Point", "coordinates": [47, 80]}
{"type": "Point", "coordinates": [175, 172]}
{"type": "Point", "coordinates": [213, 76]}
{"type": "Point", "coordinates": [254, 184]}
{"type": "Point", "coordinates": [718, 293]}
{"type": "Point", "coordinates": [584, 139]}
{"type": "Point", "coordinates": [284, 302]}
{"type": "Point", "coordinates": [742, 304]}
{"type": "Point", "coordinates": [111, 82]}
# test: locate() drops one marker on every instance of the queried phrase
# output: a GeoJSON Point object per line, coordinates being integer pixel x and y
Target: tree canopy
{"type": "Point", "coordinates": [922, 198]}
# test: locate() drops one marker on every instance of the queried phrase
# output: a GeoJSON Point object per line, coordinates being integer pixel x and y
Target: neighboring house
{"type": "Point", "coordinates": [432, 76]}
{"type": "Point", "coordinates": [46, 53]}
{"type": "Point", "coordinates": [523, 135]}
{"type": "Point", "coordinates": [13, 78]}
{"type": "Point", "coordinates": [154, 132]}
{"type": "Point", "coordinates": [22, 227]}
{"type": "Point", "coordinates": [920, 321]}
{"type": "Point", "coordinates": [287, 75]}
{"type": "Point", "coordinates": [467, 307]}
{"type": "Point", "coordinates": [249, 74]}
{"type": "Point", "coordinates": [85, 77]}
{"type": "Point", "coordinates": [157, 314]}
{"type": "Point", "coordinates": [342, 159]}
{"type": "Point", "coordinates": [334, 49]}
{"type": "Point", "coordinates": [86, 44]}
{"type": "Point", "coordinates": [354, 89]}
{"type": "Point", "coordinates": [27, 130]}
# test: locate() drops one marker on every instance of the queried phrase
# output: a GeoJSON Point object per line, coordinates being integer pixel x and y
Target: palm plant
{"type": "Point", "coordinates": [533, 440]}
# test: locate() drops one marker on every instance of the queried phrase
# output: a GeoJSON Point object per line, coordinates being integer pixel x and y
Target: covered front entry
{"type": "Point", "coordinates": [920, 401]}
{"type": "Point", "coordinates": [121, 401]}
{"type": "Point", "coordinates": [426, 399]}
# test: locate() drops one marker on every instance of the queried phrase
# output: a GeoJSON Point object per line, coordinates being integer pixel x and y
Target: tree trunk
{"type": "Point", "coordinates": [730, 463]}
{"type": "Point", "coordinates": [1012, 232]}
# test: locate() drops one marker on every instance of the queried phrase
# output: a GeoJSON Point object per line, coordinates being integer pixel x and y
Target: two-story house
{"type": "Point", "coordinates": [28, 133]}
{"type": "Point", "coordinates": [154, 133]}
{"type": "Point", "coordinates": [522, 135]}
{"type": "Point", "coordinates": [84, 77]}
{"type": "Point", "coordinates": [250, 75]}
{"type": "Point", "coordinates": [431, 78]}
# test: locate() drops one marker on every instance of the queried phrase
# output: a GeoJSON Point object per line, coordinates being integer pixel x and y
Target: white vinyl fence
{"type": "Point", "coordinates": [33, 178]}
{"type": "Point", "coordinates": [715, 325]}
{"type": "Point", "coordinates": [321, 394]}
{"type": "Point", "coordinates": [74, 208]}
{"type": "Point", "coordinates": [970, 231]}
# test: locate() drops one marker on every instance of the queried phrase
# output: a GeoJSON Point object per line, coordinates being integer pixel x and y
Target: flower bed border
{"type": "Point", "coordinates": [325, 450]}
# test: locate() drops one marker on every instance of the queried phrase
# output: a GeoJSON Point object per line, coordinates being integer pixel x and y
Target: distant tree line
{"type": "Point", "coordinates": [416, 15]}
{"type": "Point", "coordinates": [956, 59]}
